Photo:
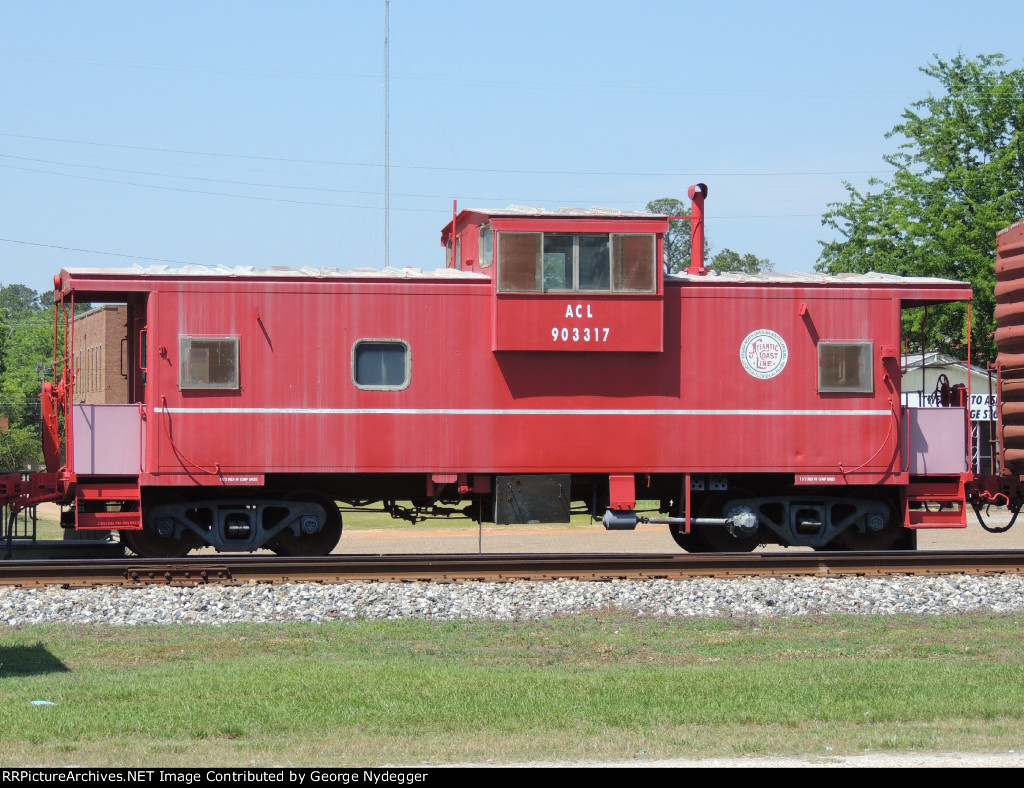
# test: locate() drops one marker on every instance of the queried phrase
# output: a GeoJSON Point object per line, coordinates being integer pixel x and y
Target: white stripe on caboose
{"type": "Point", "coordinates": [510, 412]}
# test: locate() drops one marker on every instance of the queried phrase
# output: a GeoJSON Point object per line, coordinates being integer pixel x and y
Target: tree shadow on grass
{"type": "Point", "coordinates": [29, 661]}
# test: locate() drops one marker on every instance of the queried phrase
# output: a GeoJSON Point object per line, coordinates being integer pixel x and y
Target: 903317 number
{"type": "Point", "coordinates": [580, 334]}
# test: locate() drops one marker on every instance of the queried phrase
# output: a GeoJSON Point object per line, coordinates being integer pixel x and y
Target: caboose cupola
{"type": "Point", "coordinates": [568, 279]}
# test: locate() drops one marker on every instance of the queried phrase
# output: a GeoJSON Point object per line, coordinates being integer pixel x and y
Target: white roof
{"type": "Point", "coordinates": [283, 272]}
{"type": "Point", "coordinates": [935, 359]}
{"type": "Point", "coordinates": [566, 213]}
{"type": "Point", "coordinates": [278, 271]}
{"type": "Point", "coordinates": [812, 278]}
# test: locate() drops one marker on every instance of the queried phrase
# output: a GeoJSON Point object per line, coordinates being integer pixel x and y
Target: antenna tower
{"type": "Point", "coordinates": [387, 137]}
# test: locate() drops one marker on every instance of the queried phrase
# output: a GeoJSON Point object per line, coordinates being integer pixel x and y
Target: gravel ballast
{"type": "Point", "coordinates": [513, 601]}
{"type": "Point", "coordinates": [749, 598]}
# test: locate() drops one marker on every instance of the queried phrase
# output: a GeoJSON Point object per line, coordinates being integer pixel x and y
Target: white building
{"type": "Point", "coordinates": [922, 381]}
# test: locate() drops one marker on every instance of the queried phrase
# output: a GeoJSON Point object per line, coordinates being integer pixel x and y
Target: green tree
{"type": "Point", "coordinates": [728, 260]}
{"type": "Point", "coordinates": [18, 300]}
{"type": "Point", "coordinates": [19, 448]}
{"type": "Point", "coordinates": [26, 351]}
{"type": "Point", "coordinates": [678, 243]}
{"type": "Point", "coordinates": [959, 178]}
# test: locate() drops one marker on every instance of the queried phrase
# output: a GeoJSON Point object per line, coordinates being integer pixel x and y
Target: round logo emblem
{"type": "Point", "coordinates": [763, 353]}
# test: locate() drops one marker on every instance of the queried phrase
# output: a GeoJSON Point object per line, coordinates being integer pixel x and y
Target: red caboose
{"type": "Point", "coordinates": [551, 366]}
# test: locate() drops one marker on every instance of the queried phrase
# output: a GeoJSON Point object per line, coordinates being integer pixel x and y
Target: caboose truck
{"type": "Point", "coordinates": [551, 366]}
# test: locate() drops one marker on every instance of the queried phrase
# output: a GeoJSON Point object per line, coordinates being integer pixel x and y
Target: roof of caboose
{"type": "Point", "coordinates": [812, 278]}
{"type": "Point", "coordinates": [274, 272]}
{"type": "Point", "coordinates": [915, 290]}
{"type": "Point", "coordinates": [100, 283]}
{"type": "Point", "coordinates": [563, 213]}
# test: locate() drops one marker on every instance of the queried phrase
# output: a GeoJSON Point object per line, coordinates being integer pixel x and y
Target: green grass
{"type": "Point", "coordinates": [605, 687]}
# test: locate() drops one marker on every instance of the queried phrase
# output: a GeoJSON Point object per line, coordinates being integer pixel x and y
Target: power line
{"type": "Point", "coordinates": [595, 173]}
{"type": "Point", "coordinates": [387, 135]}
{"type": "Point", "coordinates": [12, 324]}
{"type": "Point", "coordinates": [189, 191]}
{"type": "Point", "coordinates": [260, 184]}
{"type": "Point", "coordinates": [647, 87]}
{"type": "Point", "coordinates": [190, 177]}
{"type": "Point", "coordinates": [772, 217]}
{"type": "Point", "coordinates": [223, 194]}
{"type": "Point", "coordinates": [232, 182]}
{"type": "Point", "coordinates": [93, 251]}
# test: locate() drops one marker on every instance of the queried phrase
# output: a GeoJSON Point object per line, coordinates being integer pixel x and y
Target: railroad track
{"type": "Point", "coordinates": [238, 570]}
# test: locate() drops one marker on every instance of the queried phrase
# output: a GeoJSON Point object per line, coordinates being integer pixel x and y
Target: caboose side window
{"type": "Point", "coordinates": [486, 246]}
{"type": "Point", "coordinates": [208, 362]}
{"type": "Point", "coordinates": [633, 266]}
{"type": "Point", "coordinates": [518, 258]}
{"type": "Point", "coordinates": [381, 364]}
{"type": "Point", "coordinates": [845, 367]}
{"type": "Point", "coordinates": [592, 262]}
{"type": "Point", "coordinates": [558, 262]}
{"type": "Point", "coordinates": [577, 262]}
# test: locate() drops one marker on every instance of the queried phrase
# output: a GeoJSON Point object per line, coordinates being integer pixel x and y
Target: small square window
{"type": "Point", "coordinates": [208, 363]}
{"type": "Point", "coordinates": [845, 367]}
{"type": "Point", "coordinates": [381, 364]}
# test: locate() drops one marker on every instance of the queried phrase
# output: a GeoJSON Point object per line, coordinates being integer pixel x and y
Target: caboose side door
{"type": "Point", "coordinates": [107, 436]}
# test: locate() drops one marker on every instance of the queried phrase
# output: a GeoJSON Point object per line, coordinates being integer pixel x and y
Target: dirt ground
{"type": "Point", "coordinates": [443, 538]}
{"type": "Point", "coordinates": [460, 536]}
{"type": "Point", "coordinates": [913, 760]}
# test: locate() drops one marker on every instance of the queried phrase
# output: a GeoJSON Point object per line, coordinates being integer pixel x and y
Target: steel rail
{"type": "Point", "coordinates": [497, 567]}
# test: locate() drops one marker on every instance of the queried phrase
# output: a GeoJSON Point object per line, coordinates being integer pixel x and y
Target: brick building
{"type": "Point", "coordinates": [99, 361]}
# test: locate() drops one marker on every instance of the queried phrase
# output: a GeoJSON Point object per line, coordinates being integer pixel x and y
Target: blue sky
{"type": "Point", "coordinates": [252, 133]}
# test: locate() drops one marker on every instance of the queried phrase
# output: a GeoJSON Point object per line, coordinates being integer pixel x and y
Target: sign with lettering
{"type": "Point", "coordinates": [984, 407]}
{"type": "Point", "coordinates": [763, 354]}
{"type": "Point", "coordinates": [627, 322]}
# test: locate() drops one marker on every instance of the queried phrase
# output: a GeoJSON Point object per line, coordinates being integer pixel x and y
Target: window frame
{"type": "Point", "coordinates": [538, 260]}
{"type": "Point", "coordinates": [185, 343]}
{"type": "Point", "coordinates": [385, 386]}
{"type": "Point", "coordinates": [865, 364]}
{"type": "Point", "coordinates": [452, 253]}
{"type": "Point", "coordinates": [486, 247]}
{"type": "Point", "coordinates": [613, 263]}
{"type": "Point", "coordinates": [654, 262]}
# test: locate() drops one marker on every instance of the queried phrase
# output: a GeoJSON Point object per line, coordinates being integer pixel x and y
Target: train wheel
{"type": "Point", "coordinates": [690, 542]}
{"type": "Point", "coordinates": [147, 544]}
{"type": "Point", "coordinates": [320, 543]}
{"type": "Point", "coordinates": [882, 539]}
{"type": "Point", "coordinates": [717, 538]}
